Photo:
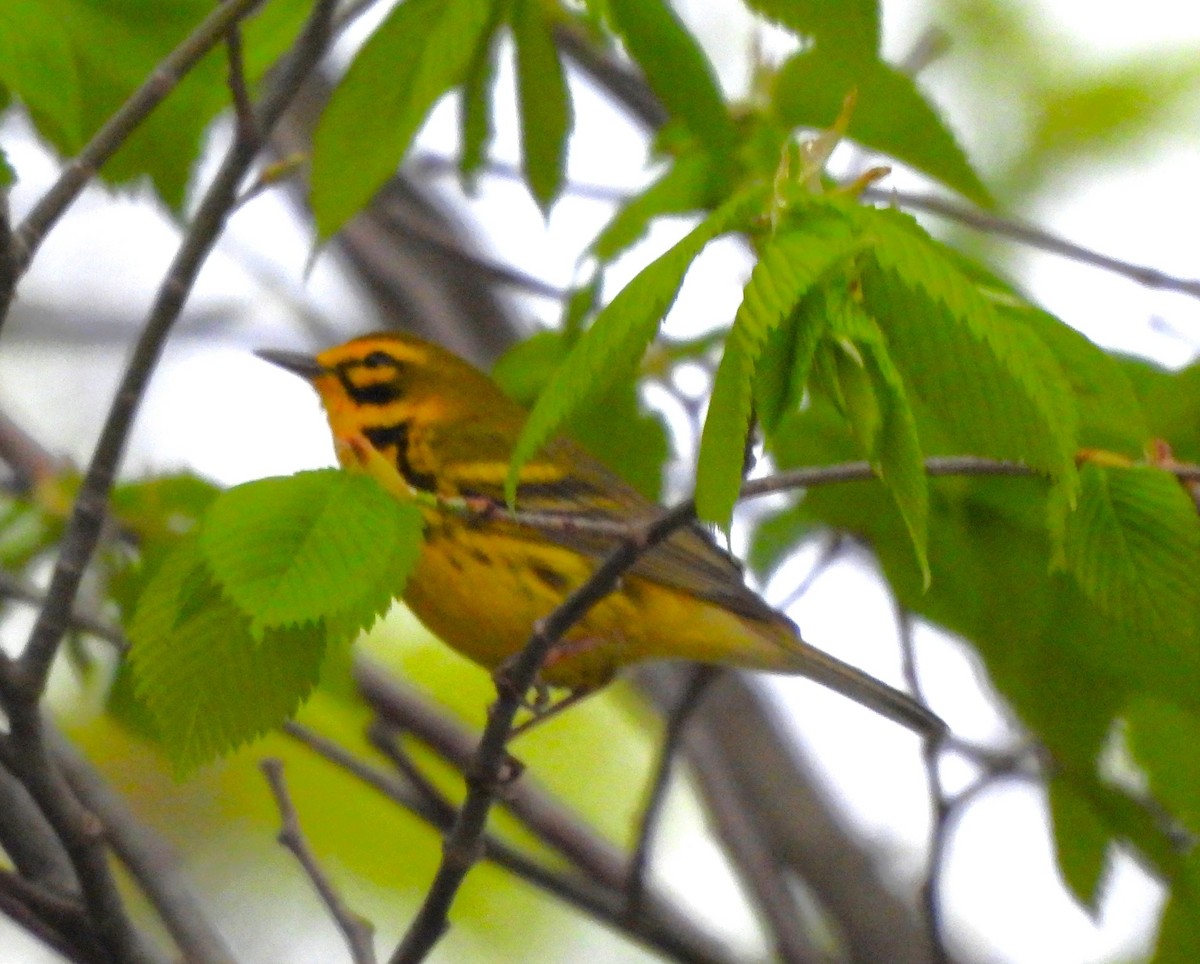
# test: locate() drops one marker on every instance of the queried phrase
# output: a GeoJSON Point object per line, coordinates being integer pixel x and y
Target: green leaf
{"type": "Point", "coordinates": [209, 685]}
{"type": "Point", "coordinates": [611, 349]}
{"type": "Point", "coordinates": [1179, 933]}
{"type": "Point", "coordinates": [850, 26]}
{"type": "Point", "coordinates": [37, 64]}
{"type": "Point", "coordinates": [163, 508]}
{"type": "Point", "coordinates": [1110, 414]}
{"type": "Point", "coordinates": [616, 429]}
{"type": "Point", "coordinates": [893, 446]}
{"type": "Point", "coordinates": [476, 124]}
{"type": "Point", "coordinates": [1082, 840]}
{"type": "Point", "coordinates": [787, 358]}
{"type": "Point", "coordinates": [676, 69]}
{"type": "Point", "coordinates": [421, 50]}
{"type": "Point", "coordinates": [544, 101]}
{"type": "Point", "coordinates": [7, 175]}
{"type": "Point", "coordinates": [993, 385]}
{"type": "Point", "coordinates": [1133, 544]}
{"type": "Point", "coordinates": [790, 264]}
{"type": "Point", "coordinates": [291, 550]}
{"type": "Point", "coordinates": [118, 46]}
{"type": "Point", "coordinates": [890, 115]}
{"type": "Point", "coordinates": [1165, 740]}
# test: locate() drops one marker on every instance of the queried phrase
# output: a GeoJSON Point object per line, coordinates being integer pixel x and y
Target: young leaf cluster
{"type": "Point", "coordinates": [231, 628]}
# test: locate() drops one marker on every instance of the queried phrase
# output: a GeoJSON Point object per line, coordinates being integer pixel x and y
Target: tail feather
{"type": "Point", "coordinates": [854, 684]}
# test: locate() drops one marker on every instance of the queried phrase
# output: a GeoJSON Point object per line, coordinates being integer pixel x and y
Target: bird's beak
{"type": "Point", "coordinates": [295, 362]}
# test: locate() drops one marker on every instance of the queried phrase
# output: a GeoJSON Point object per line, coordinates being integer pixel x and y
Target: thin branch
{"type": "Point", "coordinates": [83, 530]}
{"type": "Point", "coordinates": [59, 924]}
{"type": "Point", "coordinates": [23, 681]}
{"type": "Point", "coordinates": [29, 461]}
{"type": "Point", "coordinates": [702, 676]}
{"type": "Point", "coordinates": [1033, 236]}
{"type": "Point", "coordinates": [117, 129]}
{"type": "Point", "coordinates": [14, 587]}
{"type": "Point", "coordinates": [554, 824]}
{"type": "Point", "coordinates": [441, 165]}
{"type": "Point", "coordinates": [606, 905]}
{"type": "Point", "coordinates": [243, 108]}
{"type": "Point", "coordinates": [462, 849]}
{"type": "Point", "coordinates": [151, 861]}
{"type": "Point", "coordinates": [931, 901]}
{"type": "Point", "coordinates": [358, 931]}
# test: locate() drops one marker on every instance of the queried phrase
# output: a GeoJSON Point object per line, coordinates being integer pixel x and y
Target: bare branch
{"type": "Point", "coordinates": [1033, 236]}
{"type": "Point", "coordinates": [83, 530]}
{"type": "Point", "coordinates": [58, 923]}
{"type": "Point", "coordinates": [702, 677]}
{"type": "Point", "coordinates": [22, 681]}
{"type": "Point", "coordinates": [151, 861]}
{"type": "Point", "coordinates": [358, 931]}
{"type": "Point", "coordinates": [661, 934]}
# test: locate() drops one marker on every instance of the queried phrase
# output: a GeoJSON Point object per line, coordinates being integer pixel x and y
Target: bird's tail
{"type": "Point", "coordinates": [852, 683]}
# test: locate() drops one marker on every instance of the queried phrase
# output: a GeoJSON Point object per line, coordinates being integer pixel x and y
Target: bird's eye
{"type": "Point", "coordinates": [378, 359]}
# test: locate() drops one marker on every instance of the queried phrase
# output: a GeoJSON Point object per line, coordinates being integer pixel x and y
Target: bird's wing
{"type": "Point", "coordinates": [567, 481]}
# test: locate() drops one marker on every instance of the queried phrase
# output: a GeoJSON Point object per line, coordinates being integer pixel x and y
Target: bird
{"type": "Point", "coordinates": [434, 430]}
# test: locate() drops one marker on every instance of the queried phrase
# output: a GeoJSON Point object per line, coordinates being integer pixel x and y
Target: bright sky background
{"type": "Point", "coordinates": [212, 404]}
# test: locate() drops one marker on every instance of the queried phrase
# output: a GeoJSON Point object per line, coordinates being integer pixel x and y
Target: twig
{"type": "Point", "coordinates": [117, 129]}
{"type": "Point", "coordinates": [931, 902]}
{"type": "Point", "coordinates": [58, 923]}
{"type": "Point", "coordinates": [747, 814]}
{"type": "Point", "coordinates": [659, 933]}
{"type": "Point", "coordinates": [23, 681]}
{"type": "Point", "coordinates": [243, 109]}
{"type": "Point", "coordinates": [29, 461]}
{"type": "Point", "coordinates": [702, 676]}
{"type": "Point", "coordinates": [1033, 236]}
{"type": "Point", "coordinates": [151, 861]}
{"type": "Point", "coordinates": [29, 841]}
{"type": "Point", "coordinates": [461, 848]}
{"type": "Point", "coordinates": [359, 933]}
{"type": "Point", "coordinates": [83, 530]}
{"type": "Point", "coordinates": [554, 824]}
{"type": "Point", "coordinates": [14, 587]}
{"type": "Point", "coordinates": [440, 165]}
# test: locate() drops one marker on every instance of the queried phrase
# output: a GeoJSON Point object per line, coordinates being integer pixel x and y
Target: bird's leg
{"type": "Point", "coordinates": [547, 712]}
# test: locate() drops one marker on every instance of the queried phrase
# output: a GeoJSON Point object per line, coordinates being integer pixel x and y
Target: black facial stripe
{"type": "Point", "coordinates": [384, 436]}
{"type": "Point", "coordinates": [373, 393]}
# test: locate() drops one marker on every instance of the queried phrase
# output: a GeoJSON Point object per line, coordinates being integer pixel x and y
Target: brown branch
{"type": "Point", "coordinates": [554, 824]}
{"type": "Point", "coordinates": [59, 924]}
{"type": "Point", "coordinates": [931, 902]}
{"type": "Point", "coordinates": [606, 905]}
{"type": "Point", "coordinates": [14, 587]}
{"type": "Point", "coordinates": [23, 681]}
{"type": "Point", "coordinates": [1033, 236]}
{"type": "Point", "coordinates": [150, 860]}
{"type": "Point", "coordinates": [702, 676]}
{"type": "Point", "coordinates": [461, 849]}
{"type": "Point", "coordinates": [358, 931]}
{"type": "Point", "coordinates": [29, 461]}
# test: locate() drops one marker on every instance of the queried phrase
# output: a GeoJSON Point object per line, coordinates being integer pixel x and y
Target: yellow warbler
{"type": "Point", "coordinates": [430, 426]}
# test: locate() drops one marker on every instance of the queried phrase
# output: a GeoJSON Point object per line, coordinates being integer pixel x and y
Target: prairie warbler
{"type": "Point", "coordinates": [423, 421]}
